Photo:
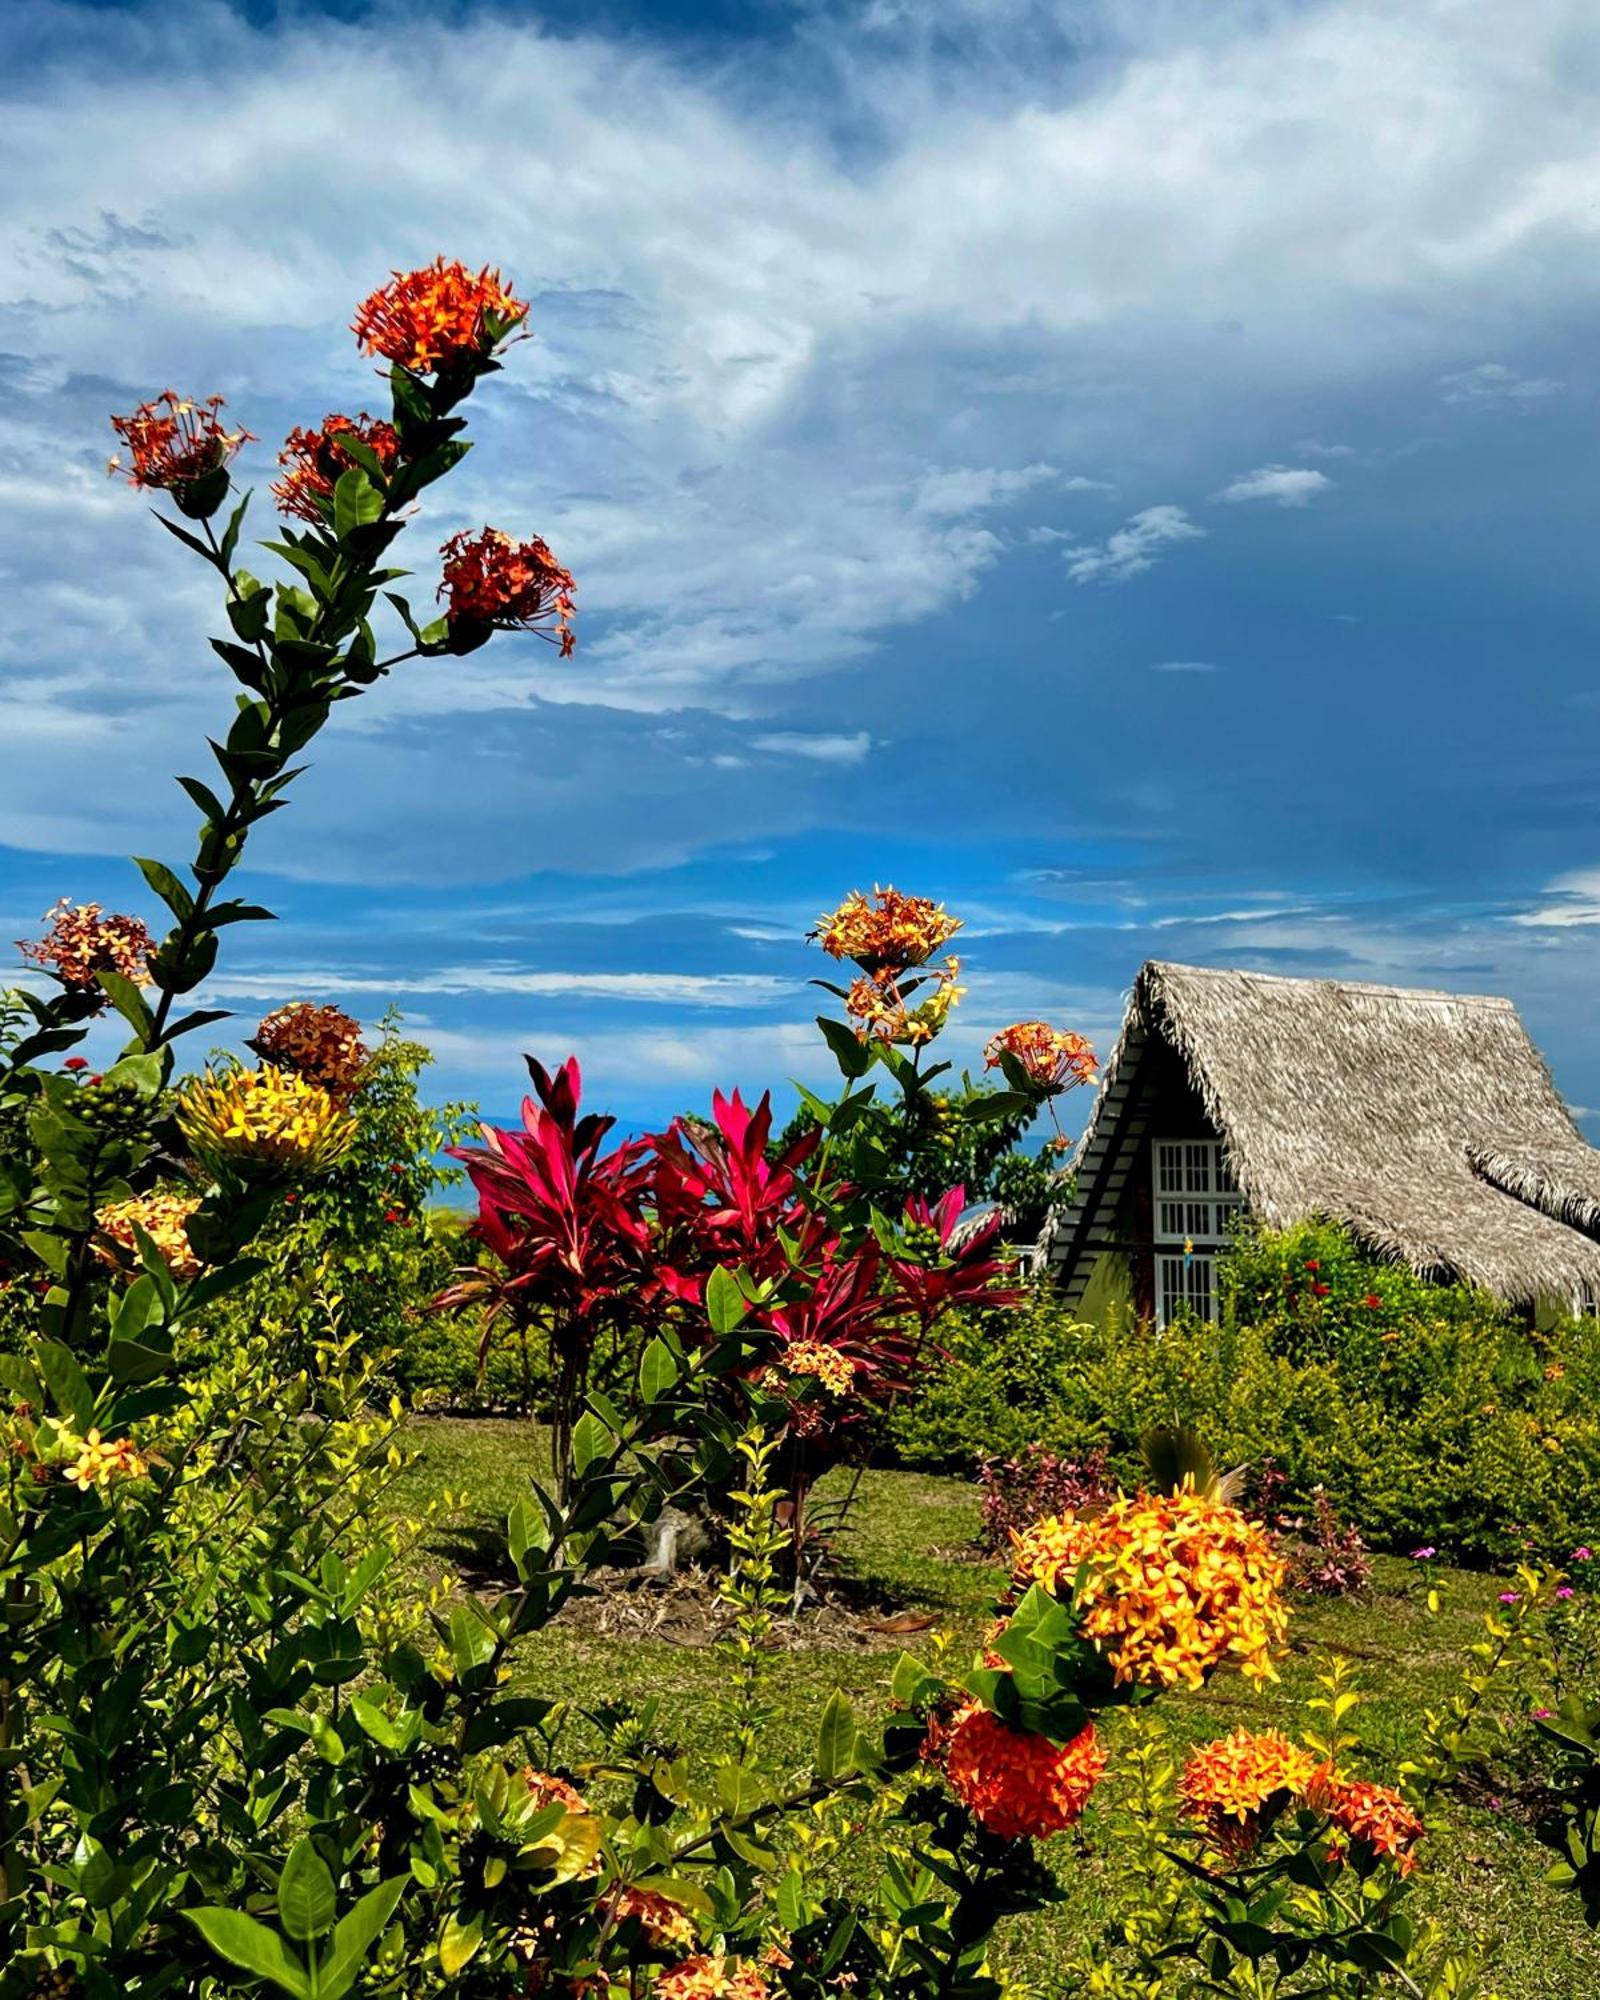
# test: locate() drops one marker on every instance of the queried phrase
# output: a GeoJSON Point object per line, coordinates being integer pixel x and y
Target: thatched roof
{"type": "Point", "coordinates": [1426, 1123]}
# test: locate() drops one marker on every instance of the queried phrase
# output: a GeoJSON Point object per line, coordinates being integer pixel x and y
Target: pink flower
{"type": "Point", "coordinates": [1583, 1555]}
{"type": "Point", "coordinates": [1540, 1714]}
{"type": "Point", "coordinates": [1422, 1555]}
{"type": "Point", "coordinates": [1510, 1596]}
{"type": "Point", "coordinates": [1565, 1591]}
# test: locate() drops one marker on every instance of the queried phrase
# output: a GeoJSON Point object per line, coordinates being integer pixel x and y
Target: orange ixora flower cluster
{"type": "Point", "coordinates": [1229, 1785]}
{"type": "Point", "coordinates": [81, 942]}
{"type": "Point", "coordinates": [164, 1218]}
{"type": "Point", "coordinates": [833, 1369]}
{"type": "Point", "coordinates": [1374, 1816]}
{"type": "Point", "coordinates": [882, 1012]}
{"type": "Point", "coordinates": [322, 1044]}
{"type": "Point", "coordinates": [101, 1463]}
{"type": "Point", "coordinates": [491, 580]}
{"type": "Point", "coordinates": [549, 1790]}
{"type": "Point", "coordinates": [711, 1976]}
{"type": "Point", "coordinates": [175, 441]}
{"type": "Point", "coordinates": [1055, 1058]}
{"type": "Point", "coordinates": [1017, 1784]}
{"type": "Point", "coordinates": [1174, 1585]}
{"type": "Point", "coordinates": [441, 317]}
{"type": "Point", "coordinates": [314, 460]}
{"type": "Point", "coordinates": [666, 1925]}
{"type": "Point", "coordinates": [886, 932]}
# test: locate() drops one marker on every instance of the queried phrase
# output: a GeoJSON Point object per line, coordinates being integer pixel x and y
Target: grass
{"type": "Point", "coordinates": [909, 1548]}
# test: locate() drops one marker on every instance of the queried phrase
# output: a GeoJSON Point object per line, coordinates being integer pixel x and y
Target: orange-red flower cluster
{"type": "Point", "coordinates": [175, 441]}
{"type": "Point", "coordinates": [440, 317]}
{"type": "Point", "coordinates": [666, 1925]}
{"type": "Point", "coordinates": [81, 942]}
{"type": "Point", "coordinates": [1174, 1585]}
{"type": "Point", "coordinates": [313, 461]}
{"type": "Point", "coordinates": [882, 1012]}
{"type": "Point", "coordinates": [1228, 1785]}
{"type": "Point", "coordinates": [1019, 1785]}
{"type": "Point", "coordinates": [322, 1044]}
{"type": "Point", "coordinates": [1055, 1058]}
{"type": "Point", "coordinates": [1374, 1815]}
{"type": "Point", "coordinates": [712, 1976]}
{"type": "Point", "coordinates": [489, 579]}
{"type": "Point", "coordinates": [886, 932]}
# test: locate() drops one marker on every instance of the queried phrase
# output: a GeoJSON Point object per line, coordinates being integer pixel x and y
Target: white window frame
{"type": "Point", "coordinates": [1195, 1199]}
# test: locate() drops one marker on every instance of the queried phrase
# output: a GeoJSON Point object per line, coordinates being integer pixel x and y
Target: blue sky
{"type": "Point", "coordinates": [1126, 470]}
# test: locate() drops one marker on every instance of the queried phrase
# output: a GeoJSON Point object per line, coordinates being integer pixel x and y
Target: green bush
{"type": "Point", "coordinates": [1427, 1412]}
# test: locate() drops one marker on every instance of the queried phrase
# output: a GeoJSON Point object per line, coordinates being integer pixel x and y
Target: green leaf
{"type": "Point", "coordinates": [306, 1905]}
{"type": "Point", "coordinates": [166, 885]}
{"type": "Point", "coordinates": [129, 1002]}
{"type": "Point", "coordinates": [66, 1381]}
{"type": "Point", "coordinates": [726, 1304]}
{"type": "Point", "coordinates": [457, 1943]}
{"type": "Point", "coordinates": [836, 1738]}
{"type": "Point", "coordinates": [253, 1948]}
{"type": "Point", "coordinates": [853, 1057]}
{"type": "Point", "coordinates": [590, 1439]}
{"type": "Point", "coordinates": [658, 1370]}
{"type": "Point", "coordinates": [356, 502]}
{"type": "Point", "coordinates": [472, 1642]}
{"type": "Point", "coordinates": [354, 1936]}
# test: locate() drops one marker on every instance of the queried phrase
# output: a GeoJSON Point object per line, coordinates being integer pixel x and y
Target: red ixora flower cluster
{"type": "Point", "coordinates": [81, 942]}
{"type": "Point", "coordinates": [490, 580]}
{"type": "Point", "coordinates": [313, 461]}
{"type": "Point", "coordinates": [1017, 1784]}
{"type": "Point", "coordinates": [175, 441]}
{"type": "Point", "coordinates": [1054, 1058]}
{"type": "Point", "coordinates": [441, 317]}
{"type": "Point", "coordinates": [321, 1043]}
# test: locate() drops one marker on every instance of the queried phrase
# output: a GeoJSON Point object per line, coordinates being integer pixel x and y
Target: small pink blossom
{"type": "Point", "coordinates": [1422, 1555]}
{"type": "Point", "coordinates": [1583, 1555]}
{"type": "Point", "coordinates": [1510, 1596]}
{"type": "Point", "coordinates": [1541, 1714]}
{"type": "Point", "coordinates": [1564, 1592]}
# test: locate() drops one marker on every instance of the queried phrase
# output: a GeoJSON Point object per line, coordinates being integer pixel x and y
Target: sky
{"type": "Point", "coordinates": [1125, 470]}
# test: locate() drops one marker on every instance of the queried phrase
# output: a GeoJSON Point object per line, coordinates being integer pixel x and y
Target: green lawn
{"type": "Point", "coordinates": [1483, 1867]}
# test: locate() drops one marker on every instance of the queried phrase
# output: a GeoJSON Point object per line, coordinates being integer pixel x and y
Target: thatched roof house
{"type": "Point", "coordinates": [1426, 1123]}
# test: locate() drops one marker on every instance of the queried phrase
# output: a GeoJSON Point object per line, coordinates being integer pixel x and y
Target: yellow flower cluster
{"type": "Point", "coordinates": [711, 1977]}
{"type": "Point", "coordinates": [99, 1463]}
{"type": "Point", "coordinates": [81, 942]}
{"type": "Point", "coordinates": [885, 932]}
{"type": "Point", "coordinates": [835, 1371]}
{"type": "Point", "coordinates": [882, 1012]}
{"type": "Point", "coordinates": [164, 1219]}
{"type": "Point", "coordinates": [322, 1044]}
{"type": "Point", "coordinates": [1227, 1785]}
{"type": "Point", "coordinates": [263, 1118]}
{"type": "Point", "coordinates": [666, 1925]}
{"type": "Point", "coordinates": [1174, 1585]}
{"type": "Point", "coordinates": [1018, 1784]}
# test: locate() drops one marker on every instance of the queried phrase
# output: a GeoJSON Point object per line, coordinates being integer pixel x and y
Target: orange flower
{"type": "Point", "coordinates": [1376, 1816]}
{"type": "Point", "coordinates": [438, 318]}
{"type": "Point", "coordinates": [832, 1368]}
{"type": "Point", "coordinates": [81, 942]}
{"type": "Point", "coordinates": [666, 1925]}
{"type": "Point", "coordinates": [1054, 1057]}
{"type": "Point", "coordinates": [315, 459]}
{"type": "Point", "coordinates": [881, 1010]}
{"type": "Point", "coordinates": [886, 932]}
{"type": "Point", "coordinates": [490, 580]}
{"type": "Point", "coordinates": [1228, 1785]}
{"type": "Point", "coordinates": [174, 441]}
{"type": "Point", "coordinates": [164, 1219]}
{"type": "Point", "coordinates": [322, 1044]}
{"type": "Point", "coordinates": [712, 1976]}
{"type": "Point", "coordinates": [1019, 1785]}
{"type": "Point", "coordinates": [1175, 1585]}
{"type": "Point", "coordinates": [549, 1790]}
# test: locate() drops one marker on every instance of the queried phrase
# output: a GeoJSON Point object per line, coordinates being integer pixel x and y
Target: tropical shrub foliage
{"type": "Point", "coordinates": [241, 1749]}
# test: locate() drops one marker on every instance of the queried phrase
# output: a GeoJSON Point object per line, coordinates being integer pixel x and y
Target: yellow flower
{"type": "Point", "coordinates": [99, 1463]}
{"type": "Point", "coordinates": [886, 932]}
{"type": "Point", "coordinates": [711, 1977]}
{"type": "Point", "coordinates": [164, 1219]}
{"type": "Point", "coordinates": [249, 1119]}
{"type": "Point", "coordinates": [1173, 1585]}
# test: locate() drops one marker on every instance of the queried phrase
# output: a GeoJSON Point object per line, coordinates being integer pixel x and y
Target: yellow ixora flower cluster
{"type": "Point", "coordinates": [164, 1218]}
{"type": "Point", "coordinates": [712, 1976]}
{"type": "Point", "coordinates": [242, 1120]}
{"type": "Point", "coordinates": [885, 932]}
{"type": "Point", "coordinates": [1174, 1585]}
{"type": "Point", "coordinates": [101, 1462]}
{"type": "Point", "coordinates": [834, 1370]}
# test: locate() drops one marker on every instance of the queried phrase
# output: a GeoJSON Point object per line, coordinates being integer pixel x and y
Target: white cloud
{"type": "Point", "coordinates": [1575, 904]}
{"type": "Point", "coordinates": [662, 989]}
{"type": "Point", "coordinates": [821, 749]}
{"type": "Point", "coordinates": [1185, 667]}
{"type": "Point", "coordinates": [1133, 548]}
{"type": "Point", "coordinates": [973, 489]}
{"type": "Point", "coordinates": [1285, 485]}
{"type": "Point", "coordinates": [1493, 382]}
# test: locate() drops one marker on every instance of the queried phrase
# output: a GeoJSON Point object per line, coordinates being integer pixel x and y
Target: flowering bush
{"type": "Point", "coordinates": [1016, 1492]}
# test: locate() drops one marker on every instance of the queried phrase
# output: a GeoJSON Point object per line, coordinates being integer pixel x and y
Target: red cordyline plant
{"type": "Point", "coordinates": [566, 1225]}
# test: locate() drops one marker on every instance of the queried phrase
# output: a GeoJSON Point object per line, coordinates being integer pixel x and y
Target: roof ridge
{"type": "Point", "coordinates": [1360, 986]}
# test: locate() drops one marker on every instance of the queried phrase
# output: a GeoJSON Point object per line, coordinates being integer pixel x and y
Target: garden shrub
{"type": "Point", "coordinates": [1427, 1413]}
